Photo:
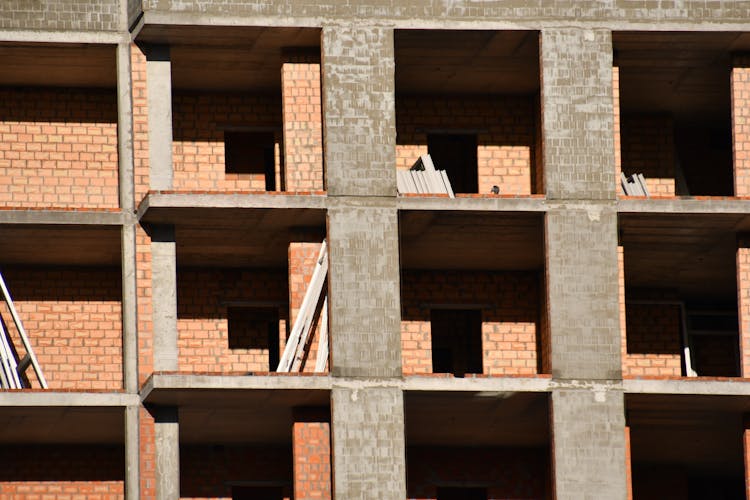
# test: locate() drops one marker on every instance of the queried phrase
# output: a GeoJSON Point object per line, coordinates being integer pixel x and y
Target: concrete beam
{"type": "Point", "coordinates": [577, 113]}
{"type": "Point", "coordinates": [159, 100]}
{"type": "Point", "coordinates": [368, 443]}
{"type": "Point", "coordinates": [167, 444]}
{"type": "Point", "coordinates": [582, 291]}
{"type": "Point", "coordinates": [63, 217]}
{"type": "Point", "coordinates": [66, 399]}
{"type": "Point", "coordinates": [684, 206]}
{"type": "Point", "coordinates": [164, 297]}
{"type": "Point", "coordinates": [588, 432]}
{"type": "Point", "coordinates": [487, 204]}
{"type": "Point", "coordinates": [360, 110]}
{"type": "Point", "coordinates": [364, 292]}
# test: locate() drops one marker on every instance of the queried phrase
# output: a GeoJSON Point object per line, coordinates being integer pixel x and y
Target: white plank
{"type": "Point", "coordinates": [322, 361]}
{"type": "Point", "coordinates": [447, 183]}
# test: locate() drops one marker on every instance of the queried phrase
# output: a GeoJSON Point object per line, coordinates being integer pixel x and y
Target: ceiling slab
{"type": "Point", "coordinates": [54, 424]}
{"type": "Point", "coordinates": [68, 245]}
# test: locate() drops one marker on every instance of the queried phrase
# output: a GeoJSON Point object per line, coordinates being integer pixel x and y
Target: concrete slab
{"type": "Point", "coordinates": [66, 217]}
{"type": "Point", "coordinates": [484, 204]}
{"type": "Point", "coordinates": [487, 385]}
{"type": "Point", "coordinates": [80, 423]}
{"type": "Point", "coordinates": [60, 244]}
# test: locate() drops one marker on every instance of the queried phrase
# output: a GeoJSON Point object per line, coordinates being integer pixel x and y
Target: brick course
{"type": "Point", "coordinates": [506, 138]}
{"type": "Point", "coordinates": [741, 124]}
{"type": "Point", "coordinates": [58, 148]}
{"type": "Point", "coordinates": [312, 458]}
{"type": "Point", "coordinates": [509, 331]}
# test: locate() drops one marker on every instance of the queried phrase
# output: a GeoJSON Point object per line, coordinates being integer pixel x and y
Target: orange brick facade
{"type": "Point", "coordinates": [58, 148]}
{"type": "Point", "coordinates": [743, 301]}
{"type": "Point", "coordinates": [741, 124]}
{"type": "Point", "coordinates": [311, 440]}
{"type": "Point", "coordinates": [510, 312]}
{"type": "Point", "coordinates": [505, 128]}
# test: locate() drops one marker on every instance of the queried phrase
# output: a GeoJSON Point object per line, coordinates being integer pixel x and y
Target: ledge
{"type": "Point", "coordinates": [60, 216]}
{"type": "Point", "coordinates": [684, 205]}
{"type": "Point", "coordinates": [477, 384]}
{"type": "Point", "coordinates": [45, 398]}
{"type": "Point", "coordinates": [487, 203]}
{"type": "Point", "coordinates": [689, 386]}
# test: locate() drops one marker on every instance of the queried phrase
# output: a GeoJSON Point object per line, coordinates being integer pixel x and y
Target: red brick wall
{"type": "Point", "coordinates": [506, 138]}
{"type": "Point", "coordinates": [199, 121]}
{"type": "Point", "coordinates": [140, 122]}
{"type": "Point", "coordinates": [517, 473]}
{"type": "Point", "coordinates": [62, 472]}
{"type": "Point", "coordinates": [58, 148]}
{"type": "Point", "coordinates": [303, 122]}
{"type": "Point", "coordinates": [311, 438]}
{"type": "Point", "coordinates": [208, 472]}
{"type": "Point", "coordinates": [202, 297]}
{"type": "Point", "coordinates": [509, 330]}
{"type": "Point", "coordinates": [741, 124]}
{"type": "Point", "coordinates": [648, 148]}
{"type": "Point", "coordinates": [743, 301]}
{"type": "Point", "coordinates": [654, 340]}
{"type": "Point", "coordinates": [73, 319]}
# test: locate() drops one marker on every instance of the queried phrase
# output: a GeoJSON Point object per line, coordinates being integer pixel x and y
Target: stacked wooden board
{"type": "Point", "coordinates": [423, 178]}
{"type": "Point", "coordinates": [635, 185]}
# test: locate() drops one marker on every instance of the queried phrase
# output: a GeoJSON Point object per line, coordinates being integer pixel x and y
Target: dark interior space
{"type": "Point", "coordinates": [456, 341]}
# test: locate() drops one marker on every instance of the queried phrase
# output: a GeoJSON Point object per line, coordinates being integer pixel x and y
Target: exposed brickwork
{"type": "Point", "coordinates": [199, 121]}
{"type": "Point", "coordinates": [518, 473]}
{"type": "Point", "coordinates": [211, 471]}
{"type": "Point", "coordinates": [621, 301]}
{"type": "Point", "coordinates": [303, 122]}
{"type": "Point", "coordinates": [202, 299]}
{"type": "Point", "coordinates": [302, 260]}
{"type": "Point", "coordinates": [510, 317]}
{"type": "Point", "coordinates": [648, 148]}
{"type": "Point", "coordinates": [147, 455]}
{"type": "Point", "coordinates": [312, 459]}
{"type": "Point", "coordinates": [73, 318]}
{"type": "Point", "coordinates": [62, 472]}
{"type": "Point", "coordinates": [654, 340]}
{"type": "Point", "coordinates": [140, 122]}
{"type": "Point", "coordinates": [743, 301]}
{"type": "Point", "coordinates": [505, 129]}
{"type": "Point", "coordinates": [741, 124]}
{"type": "Point", "coordinates": [58, 148]}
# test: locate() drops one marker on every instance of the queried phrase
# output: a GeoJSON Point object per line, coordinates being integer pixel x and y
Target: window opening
{"type": "Point", "coordinates": [255, 328]}
{"type": "Point", "coordinates": [251, 153]}
{"type": "Point", "coordinates": [457, 155]}
{"type": "Point", "coordinates": [456, 341]}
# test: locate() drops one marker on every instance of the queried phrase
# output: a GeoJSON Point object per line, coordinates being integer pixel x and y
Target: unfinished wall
{"type": "Point", "coordinates": [510, 317]}
{"type": "Point", "coordinates": [62, 472]}
{"type": "Point", "coordinates": [202, 300]}
{"type": "Point", "coordinates": [505, 129]}
{"type": "Point", "coordinates": [741, 123]}
{"type": "Point", "coordinates": [58, 148]}
{"type": "Point", "coordinates": [73, 319]}
{"type": "Point", "coordinates": [82, 15]}
{"type": "Point", "coordinates": [654, 340]}
{"type": "Point", "coordinates": [518, 473]}
{"type": "Point", "coordinates": [199, 122]}
{"type": "Point", "coordinates": [311, 437]}
{"type": "Point", "coordinates": [302, 260]}
{"type": "Point", "coordinates": [303, 122]}
{"type": "Point", "coordinates": [210, 471]}
{"type": "Point", "coordinates": [648, 148]}
{"type": "Point", "coordinates": [743, 301]}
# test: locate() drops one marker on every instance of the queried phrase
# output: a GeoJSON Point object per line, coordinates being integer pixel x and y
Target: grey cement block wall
{"type": "Point", "coordinates": [359, 104]}
{"type": "Point", "coordinates": [368, 443]}
{"type": "Point", "coordinates": [582, 281]}
{"type": "Point", "coordinates": [76, 15]}
{"type": "Point", "coordinates": [364, 291]}
{"type": "Point", "coordinates": [588, 432]}
{"type": "Point", "coordinates": [577, 119]}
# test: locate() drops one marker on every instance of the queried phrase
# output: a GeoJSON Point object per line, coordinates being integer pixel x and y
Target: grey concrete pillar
{"type": "Point", "coordinates": [369, 459]}
{"type": "Point", "coordinates": [167, 444]}
{"type": "Point", "coordinates": [359, 110]}
{"type": "Point", "coordinates": [132, 453]}
{"type": "Point", "coordinates": [159, 90]}
{"type": "Point", "coordinates": [164, 297]}
{"type": "Point", "coordinates": [129, 309]}
{"type": "Point", "coordinates": [125, 128]}
{"type": "Point", "coordinates": [577, 113]}
{"type": "Point", "coordinates": [364, 295]}
{"type": "Point", "coordinates": [588, 432]}
{"type": "Point", "coordinates": [582, 291]}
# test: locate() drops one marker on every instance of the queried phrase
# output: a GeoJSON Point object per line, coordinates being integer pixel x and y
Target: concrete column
{"type": "Point", "coordinates": [617, 126]}
{"type": "Point", "coordinates": [369, 458]}
{"type": "Point", "coordinates": [743, 300]}
{"type": "Point", "coordinates": [167, 445]}
{"type": "Point", "coordinates": [364, 295]}
{"type": "Point", "coordinates": [125, 128]}
{"type": "Point", "coordinates": [164, 297]}
{"type": "Point", "coordinates": [360, 116]}
{"type": "Point", "coordinates": [589, 444]}
{"type": "Point", "coordinates": [129, 310]}
{"type": "Point", "coordinates": [159, 94]}
{"type": "Point", "coordinates": [311, 450]}
{"type": "Point", "coordinates": [132, 453]}
{"type": "Point", "coordinates": [303, 121]}
{"type": "Point", "coordinates": [577, 116]}
{"type": "Point", "coordinates": [741, 123]}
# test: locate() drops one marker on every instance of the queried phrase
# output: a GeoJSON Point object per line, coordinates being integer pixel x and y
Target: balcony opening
{"type": "Point", "coordinates": [255, 328]}
{"type": "Point", "coordinates": [456, 341]}
{"type": "Point", "coordinates": [249, 154]}
{"type": "Point", "coordinates": [462, 494]}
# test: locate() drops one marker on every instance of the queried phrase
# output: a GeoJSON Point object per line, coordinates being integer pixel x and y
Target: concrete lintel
{"type": "Point", "coordinates": [62, 217]}
{"type": "Point", "coordinates": [468, 384]}
{"type": "Point", "coordinates": [162, 202]}
{"type": "Point", "coordinates": [377, 202]}
{"type": "Point", "coordinates": [726, 387]}
{"type": "Point", "coordinates": [40, 36]}
{"type": "Point", "coordinates": [684, 205]}
{"type": "Point", "coordinates": [487, 204]}
{"type": "Point", "coordinates": [71, 399]}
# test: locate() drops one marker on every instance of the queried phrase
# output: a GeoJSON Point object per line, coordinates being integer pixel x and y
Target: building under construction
{"type": "Point", "coordinates": [430, 250]}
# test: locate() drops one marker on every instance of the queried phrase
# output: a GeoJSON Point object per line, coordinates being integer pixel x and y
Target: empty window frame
{"type": "Point", "coordinates": [251, 153]}
{"type": "Point", "coordinates": [255, 328]}
{"type": "Point", "coordinates": [456, 341]}
{"type": "Point", "coordinates": [457, 155]}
